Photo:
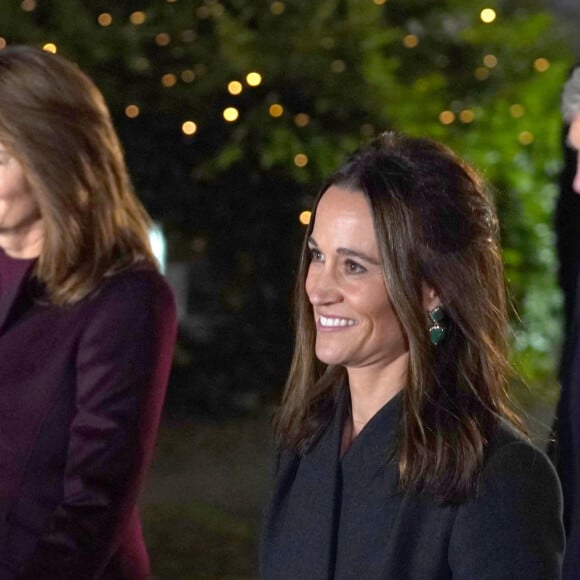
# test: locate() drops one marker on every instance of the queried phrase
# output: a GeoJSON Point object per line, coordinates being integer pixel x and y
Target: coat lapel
{"type": "Point", "coordinates": [299, 539]}
{"type": "Point", "coordinates": [9, 299]}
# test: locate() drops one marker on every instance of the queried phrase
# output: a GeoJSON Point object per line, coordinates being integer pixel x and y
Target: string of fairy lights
{"type": "Point", "coordinates": [252, 79]}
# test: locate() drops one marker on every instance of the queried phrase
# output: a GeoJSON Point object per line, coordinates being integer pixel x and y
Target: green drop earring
{"type": "Point", "coordinates": [436, 328]}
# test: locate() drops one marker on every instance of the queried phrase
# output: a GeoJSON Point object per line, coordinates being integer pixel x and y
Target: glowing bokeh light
{"type": "Point", "coordinates": [305, 217]}
{"type": "Point", "coordinates": [132, 111]}
{"type": "Point", "coordinates": [301, 119]}
{"type": "Point", "coordinates": [162, 39]}
{"type": "Point", "coordinates": [235, 87]}
{"type": "Point", "coordinates": [488, 15]}
{"type": "Point", "coordinates": [466, 116]}
{"type": "Point", "coordinates": [517, 111]}
{"type": "Point", "coordinates": [301, 160]}
{"type": "Point", "coordinates": [490, 60]}
{"type": "Point", "coordinates": [187, 76]}
{"type": "Point", "coordinates": [254, 79]}
{"type": "Point", "coordinates": [50, 47]}
{"type": "Point", "coordinates": [105, 19]}
{"type": "Point", "coordinates": [231, 114]}
{"type": "Point", "coordinates": [169, 80]}
{"type": "Point", "coordinates": [137, 18]}
{"type": "Point", "coordinates": [276, 110]}
{"type": "Point", "coordinates": [541, 64]}
{"type": "Point", "coordinates": [410, 41]}
{"type": "Point", "coordinates": [189, 128]}
{"type": "Point", "coordinates": [446, 117]}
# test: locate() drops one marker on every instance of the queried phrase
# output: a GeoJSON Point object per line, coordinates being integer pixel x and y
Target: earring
{"type": "Point", "coordinates": [436, 328]}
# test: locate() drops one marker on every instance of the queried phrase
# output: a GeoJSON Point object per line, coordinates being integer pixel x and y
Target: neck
{"type": "Point", "coordinates": [371, 388]}
{"type": "Point", "coordinates": [23, 242]}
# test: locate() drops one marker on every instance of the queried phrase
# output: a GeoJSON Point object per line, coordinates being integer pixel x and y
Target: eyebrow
{"type": "Point", "coordinates": [348, 252]}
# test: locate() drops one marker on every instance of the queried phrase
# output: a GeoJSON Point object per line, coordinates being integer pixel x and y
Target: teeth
{"type": "Point", "coordinates": [326, 321]}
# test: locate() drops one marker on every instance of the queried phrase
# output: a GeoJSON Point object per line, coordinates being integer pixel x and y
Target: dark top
{"type": "Point", "coordinates": [345, 519]}
{"type": "Point", "coordinates": [81, 392]}
{"type": "Point", "coordinates": [11, 272]}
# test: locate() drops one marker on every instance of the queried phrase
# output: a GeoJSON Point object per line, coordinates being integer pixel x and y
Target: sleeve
{"type": "Point", "coordinates": [122, 368]}
{"type": "Point", "coordinates": [513, 529]}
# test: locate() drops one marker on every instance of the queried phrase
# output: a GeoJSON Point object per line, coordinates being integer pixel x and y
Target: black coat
{"type": "Point", "coordinates": [345, 519]}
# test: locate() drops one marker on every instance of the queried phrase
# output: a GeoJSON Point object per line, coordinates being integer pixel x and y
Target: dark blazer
{"type": "Point", "coordinates": [81, 391]}
{"type": "Point", "coordinates": [346, 520]}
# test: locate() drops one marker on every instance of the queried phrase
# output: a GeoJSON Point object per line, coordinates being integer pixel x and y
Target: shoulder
{"type": "Point", "coordinates": [137, 288]}
{"type": "Point", "coordinates": [512, 459]}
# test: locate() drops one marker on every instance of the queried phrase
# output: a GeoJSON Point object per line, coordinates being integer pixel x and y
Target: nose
{"type": "Point", "coordinates": [321, 285]}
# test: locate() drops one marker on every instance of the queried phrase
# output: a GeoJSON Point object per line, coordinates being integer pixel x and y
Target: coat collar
{"type": "Point", "coordinates": [9, 300]}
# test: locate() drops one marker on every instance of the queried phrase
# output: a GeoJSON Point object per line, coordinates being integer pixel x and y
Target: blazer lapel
{"type": "Point", "coordinates": [9, 299]}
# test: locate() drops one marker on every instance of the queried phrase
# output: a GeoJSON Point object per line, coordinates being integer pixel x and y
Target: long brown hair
{"type": "Point", "coordinates": [434, 225]}
{"type": "Point", "coordinates": [55, 121]}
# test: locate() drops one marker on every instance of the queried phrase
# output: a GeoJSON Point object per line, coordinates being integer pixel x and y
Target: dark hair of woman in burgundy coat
{"type": "Point", "coordinates": [55, 122]}
{"type": "Point", "coordinates": [434, 225]}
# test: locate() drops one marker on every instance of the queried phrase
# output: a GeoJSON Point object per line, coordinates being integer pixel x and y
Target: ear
{"type": "Point", "coordinates": [430, 297]}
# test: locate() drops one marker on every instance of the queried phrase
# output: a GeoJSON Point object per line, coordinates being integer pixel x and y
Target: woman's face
{"type": "Point", "coordinates": [355, 322]}
{"type": "Point", "coordinates": [19, 214]}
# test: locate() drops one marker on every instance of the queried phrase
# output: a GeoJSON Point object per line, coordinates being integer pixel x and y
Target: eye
{"type": "Point", "coordinates": [316, 255]}
{"type": "Point", "coordinates": [354, 268]}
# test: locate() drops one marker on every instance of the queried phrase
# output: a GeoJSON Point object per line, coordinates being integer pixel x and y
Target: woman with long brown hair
{"type": "Point", "coordinates": [400, 457]}
{"type": "Point", "coordinates": [87, 327]}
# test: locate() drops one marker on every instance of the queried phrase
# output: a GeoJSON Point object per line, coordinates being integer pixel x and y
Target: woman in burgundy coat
{"type": "Point", "coordinates": [87, 328]}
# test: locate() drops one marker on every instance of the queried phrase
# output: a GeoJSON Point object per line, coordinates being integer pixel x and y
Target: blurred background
{"type": "Point", "coordinates": [231, 113]}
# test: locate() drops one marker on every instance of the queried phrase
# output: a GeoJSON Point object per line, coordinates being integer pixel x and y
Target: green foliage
{"type": "Point", "coordinates": [354, 68]}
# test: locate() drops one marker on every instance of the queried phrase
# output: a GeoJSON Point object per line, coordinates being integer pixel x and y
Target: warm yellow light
{"type": "Point", "coordinates": [304, 217]}
{"type": "Point", "coordinates": [338, 66]}
{"type": "Point", "coordinates": [410, 41]}
{"type": "Point", "coordinates": [170, 1]}
{"type": "Point", "coordinates": [301, 160]}
{"type": "Point", "coordinates": [28, 5]}
{"type": "Point", "coordinates": [446, 117]}
{"type": "Point", "coordinates": [490, 61]}
{"type": "Point", "coordinates": [105, 19]}
{"type": "Point", "coordinates": [132, 111]}
{"type": "Point", "coordinates": [277, 8]}
{"type": "Point", "coordinates": [50, 47]}
{"type": "Point", "coordinates": [466, 116]}
{"type": "Point", "coordinates": [276, 110]}
{"type": "Point", "coordinates": [301, 119]}
{"type": "Point", "coordinates": [162, 39]}
{"type": "Point", "coordinates": [380, 2]}
{"type": "Point", "coordinates": [231, 114]}
{"type": "Point", "coordinates": [235, 87]}
{"type": "Point", "coordinates": [254, 79]}
{"type": "Point", "coordinates": [481, 73]}
{"type": "Point", "coordinates": [541, 64]}
{"type": "Point", "coordinates": [189, 128]}
{"type": "Point", "coordinates": [517, 111]}
{"type": "Point", "coordinates": [168, 80]}
{"type": "Point", "coordinates": [2, 42]}
{"type": "Point", "coordinates": [187, 76]}
{"type": "Point", "coordinates": [526, 138]}
{"type": "Point", "coordinates": [488, 15]}
{"type": "Point", "coordinates": [137, 17]}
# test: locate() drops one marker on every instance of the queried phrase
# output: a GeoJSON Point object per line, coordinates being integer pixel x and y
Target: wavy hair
{"type": "Point", "coordinates": [55, 121]}
{"type": "Point", "coordinates": [434, 224]}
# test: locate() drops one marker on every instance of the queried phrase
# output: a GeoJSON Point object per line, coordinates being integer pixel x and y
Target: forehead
{"type": "Point", "coordinates": [343, 219]}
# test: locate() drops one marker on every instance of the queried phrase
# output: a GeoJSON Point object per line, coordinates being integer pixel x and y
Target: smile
{"type": "Point", "coordinates": [328, 322]}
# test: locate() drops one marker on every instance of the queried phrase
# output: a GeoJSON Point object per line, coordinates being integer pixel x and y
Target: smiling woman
{"type": "Point", "coordinates": [399, 456]}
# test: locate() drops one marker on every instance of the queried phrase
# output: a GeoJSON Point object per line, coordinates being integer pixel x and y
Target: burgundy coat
{"type": "Point", "coordinates": [81, 392]}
